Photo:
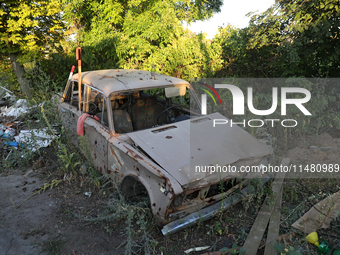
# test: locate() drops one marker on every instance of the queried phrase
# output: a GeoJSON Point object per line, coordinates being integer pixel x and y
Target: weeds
{"type": "Point", "coordinates": [286, 251]}
{"type": "Point", "coordinates": [138, 219]}
{"type": "Point", "coordinates": [255, 199]}
{"type": "Point", "coordinates": [53, 246]}
{"type": "Point", "coordinates": [130, 244]}
{"type": "Point", "coordinates": [64, 156]}
{"type": "Point", "coordinates": [41, 83]}
{"type": "Point", "coordinates": [234, 250]}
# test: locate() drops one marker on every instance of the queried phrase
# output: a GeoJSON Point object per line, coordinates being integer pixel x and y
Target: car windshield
{"type": "Point", "coordinates": [138, 110]}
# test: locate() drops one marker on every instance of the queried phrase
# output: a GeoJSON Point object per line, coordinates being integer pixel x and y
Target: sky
{"type": "Point", "coordinates": [232, 12]}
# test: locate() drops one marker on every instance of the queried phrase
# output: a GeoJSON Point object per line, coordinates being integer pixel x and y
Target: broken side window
{"type": "Point", "coordinates": [98, 107]}
{"type": "Point", "coordinates": [71, 94]}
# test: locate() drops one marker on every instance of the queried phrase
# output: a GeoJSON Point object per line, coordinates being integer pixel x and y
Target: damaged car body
{"type": "Point", "coordinates": [138, 124]}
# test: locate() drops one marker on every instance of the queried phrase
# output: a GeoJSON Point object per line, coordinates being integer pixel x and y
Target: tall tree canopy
{"type": "Point", "coordinates": [26, 29]}
{"type": "Point", "coordinates": [127, 34]}
{"type": "Point", "coordinates": [292, 38]}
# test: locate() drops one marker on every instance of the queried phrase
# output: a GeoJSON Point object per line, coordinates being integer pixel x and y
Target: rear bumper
{"type": "Point", "coordinates": [208, 212]}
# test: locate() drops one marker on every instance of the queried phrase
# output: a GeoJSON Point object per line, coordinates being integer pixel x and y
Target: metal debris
{"type": "Point", "coordinates": [196, 249]}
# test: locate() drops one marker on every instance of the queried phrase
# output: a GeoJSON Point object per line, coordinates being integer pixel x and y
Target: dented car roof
{"type": "Point", "coordinates": [118, 80]}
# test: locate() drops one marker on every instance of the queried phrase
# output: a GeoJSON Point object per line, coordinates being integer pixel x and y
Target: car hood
{"type": "Point", "coordinates": [184, 148]}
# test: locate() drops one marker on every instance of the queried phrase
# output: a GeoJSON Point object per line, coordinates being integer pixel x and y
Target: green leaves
{"type": "Point", "coordinates": [28, 26]}
{"type": "Point", "coordinates": [136, 34]}
{"type": "Point", "coordinates": [234, 250]}
{"type": "Point", "coordinates": [279, 247]}
{"type": "Point", "coordinates": [292, 38]}
{"type": "Point", "coordinates": [283, 250]}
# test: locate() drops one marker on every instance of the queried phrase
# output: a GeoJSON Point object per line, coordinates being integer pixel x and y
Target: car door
{"type": "Point", "coordinates": [96, 130]}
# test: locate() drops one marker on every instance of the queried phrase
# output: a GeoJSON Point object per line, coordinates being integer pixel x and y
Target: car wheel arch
{"type": "Point", "coordinates": [128, 185]}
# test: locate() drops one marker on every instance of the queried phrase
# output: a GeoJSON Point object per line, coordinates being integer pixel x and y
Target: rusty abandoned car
{"type": "Point", "coordinates": [139, 127]}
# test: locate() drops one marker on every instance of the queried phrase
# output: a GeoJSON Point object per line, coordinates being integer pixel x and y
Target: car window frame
{"type": "Point", "coordinates": [68, 99]}
{"type": "Point", "coordinates": [108, 107]}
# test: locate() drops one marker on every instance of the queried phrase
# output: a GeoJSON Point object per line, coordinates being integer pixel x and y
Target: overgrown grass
{"type": "Point", "coordinates": [53, 246]}
{"type": "Point", "coordinates": [137, 216]}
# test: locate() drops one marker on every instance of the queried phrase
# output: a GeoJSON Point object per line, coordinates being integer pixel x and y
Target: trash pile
{"type": "Point", "coordinates": [6, 97]}
{"type": "Point", "coordinates": [20, 107]}
{"type": "Point", "coordinates": [12, 136]}
{"type": "Point", "coordinates": [7, 130]}
{"type": "Point", "coordinates": [11, 107]}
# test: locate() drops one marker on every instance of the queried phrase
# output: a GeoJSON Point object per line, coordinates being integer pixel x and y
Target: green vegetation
{"type": "Point", "coordinates": [27, 29]}
{"type": "Point", "coordinates": [291, 39]}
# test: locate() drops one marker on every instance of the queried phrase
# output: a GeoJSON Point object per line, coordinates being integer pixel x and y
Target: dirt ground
{"type": "Point", "coordinates": [323, 148]}
{"type": "Point", "coordinates": [51, 222]}
{"type": "Point", "coordinates": [39, 225]}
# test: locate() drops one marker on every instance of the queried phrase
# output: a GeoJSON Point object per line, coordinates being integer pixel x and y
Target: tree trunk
{"type": "Point", "coordinates": [19, 72]}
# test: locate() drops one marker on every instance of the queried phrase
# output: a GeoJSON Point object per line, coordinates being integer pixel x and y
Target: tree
{"type": "Point", "coordinates": [291, 38]}
{"type": "Point", "coordinates": [314, 28]}
{"type": "Point", "coordinates": [27, 28]}
{"type": "Point", "coordinates": [304, 37]}
{"type": "Point", "coordinates": [137, 34]}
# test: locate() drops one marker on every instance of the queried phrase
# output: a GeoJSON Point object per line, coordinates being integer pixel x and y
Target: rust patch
{"type": "Point", "coordinates": [106, 77]}
{"type": "Point", "coordinates": [139, 157]}
{"type": "Point", "coordinates": [135, 156]}
{"type": "Point", "coordinates": [113, 134]}
{"type": "Point", "coordinates": [119, 164]}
